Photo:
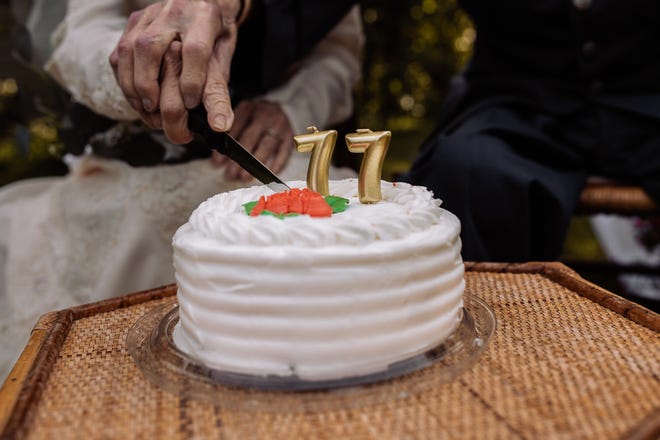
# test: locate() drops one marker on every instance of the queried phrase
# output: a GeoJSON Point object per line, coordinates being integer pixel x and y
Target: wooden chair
{"type": "Point", "coordinates": [604, 196]}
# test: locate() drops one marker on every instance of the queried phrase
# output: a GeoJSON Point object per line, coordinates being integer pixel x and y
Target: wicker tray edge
{"type": "Point", "coordinates": [24, 385]}
{"type": "Point", "coordinates": [570, 279]}
{"type": "Point", "coordinates": [25, 382]}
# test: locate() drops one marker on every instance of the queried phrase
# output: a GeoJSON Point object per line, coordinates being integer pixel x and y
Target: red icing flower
{"type": "Point", "coordinates": [293, 201]}
{"type": "Point", "coordinates": [259, 207]}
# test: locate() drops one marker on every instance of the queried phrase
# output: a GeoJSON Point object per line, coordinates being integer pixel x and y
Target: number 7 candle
{"type": "Point", "coordinates": [321, 144]}
{"type": "Point", "coordinates": [374, 146]}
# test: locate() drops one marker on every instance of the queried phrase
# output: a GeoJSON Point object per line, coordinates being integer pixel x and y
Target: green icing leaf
{"type": "Point", "coordinates": [249, 206]}
{"type": "Point", "coordinates": [338, 204]}
{"type": "Point", "coordinates": [280, 216]}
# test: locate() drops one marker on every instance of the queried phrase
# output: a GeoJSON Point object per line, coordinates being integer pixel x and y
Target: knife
{"type": "Point", "coordinates": [230, 147]}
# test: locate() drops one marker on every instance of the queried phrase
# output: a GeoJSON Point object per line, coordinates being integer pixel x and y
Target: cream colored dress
{"type": "Point", "coordinates": [105, 229]}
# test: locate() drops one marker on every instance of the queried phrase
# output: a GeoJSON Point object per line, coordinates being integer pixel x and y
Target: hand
{"type": "Point", "coordinates": [172, 111]}
{"type": "Point", "coordinates": [263, 128]}
{"type": "Point", "coordinates": [207, 30]}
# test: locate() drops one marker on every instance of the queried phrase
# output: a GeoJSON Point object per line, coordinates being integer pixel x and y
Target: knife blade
{"type": "Point", "coordinates": [230, 147]}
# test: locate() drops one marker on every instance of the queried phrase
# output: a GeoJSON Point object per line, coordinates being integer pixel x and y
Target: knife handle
{"type": "Point", "coordinates": [199, 125]}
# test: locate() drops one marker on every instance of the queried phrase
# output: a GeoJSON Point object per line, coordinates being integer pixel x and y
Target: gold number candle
{"type": "Point", "coordinates": [321, 144]}
{"type": "Point", "coordinates": [374, 146]}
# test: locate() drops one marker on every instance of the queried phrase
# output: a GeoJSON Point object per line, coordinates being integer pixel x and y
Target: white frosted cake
{"type": "Point", "coordinates": [318, 298]}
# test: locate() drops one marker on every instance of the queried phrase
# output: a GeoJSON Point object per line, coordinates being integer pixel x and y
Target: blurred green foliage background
{"type": "Point", "coordinates": [413, 48]}
{"type": "Point", "coordinates": [30, 108]}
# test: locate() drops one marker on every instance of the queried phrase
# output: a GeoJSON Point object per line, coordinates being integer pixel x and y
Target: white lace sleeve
{"type": "Point", "coordinates": [82, 44]}
{"type": "Point", "coordinates": [320, 92]}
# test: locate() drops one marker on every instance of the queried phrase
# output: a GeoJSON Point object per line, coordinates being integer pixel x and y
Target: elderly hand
{"type": "Point", "coordinates": [260, 126]}
{"type": "Point", "coordinates": [263, 128]}
{"type": "Point", "coordinates": [207, 30]}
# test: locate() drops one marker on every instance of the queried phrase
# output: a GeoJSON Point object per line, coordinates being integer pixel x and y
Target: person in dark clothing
{"type": "Point", "coordinates": [556, 91]}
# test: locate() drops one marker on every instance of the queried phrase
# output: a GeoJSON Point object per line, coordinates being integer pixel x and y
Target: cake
{"type": "Point", "coordinates": [317, 298]}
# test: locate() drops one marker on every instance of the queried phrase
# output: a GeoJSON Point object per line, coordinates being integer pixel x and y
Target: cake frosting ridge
{"type": "Point", "coordinates": [405, 209]}
{"type": "Point", "coordinates": [319, 298]}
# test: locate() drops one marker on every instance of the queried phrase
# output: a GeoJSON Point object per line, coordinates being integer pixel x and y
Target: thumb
{"type": "Point", "coordinates": [216, 92]}
{"type": "Point", "coordinates": [218, 104]}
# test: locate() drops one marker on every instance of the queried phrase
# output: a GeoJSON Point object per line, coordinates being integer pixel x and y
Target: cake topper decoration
{"type": "Point", "coordinates": [321, 144]}
{"type": "Point", "coordinates": [374, 146]}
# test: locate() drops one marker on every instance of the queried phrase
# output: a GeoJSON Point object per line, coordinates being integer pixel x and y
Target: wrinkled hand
{"type": "Point", "coordinates": [263, 128]}
{"type": "Point", "coordinates": [207, 30]}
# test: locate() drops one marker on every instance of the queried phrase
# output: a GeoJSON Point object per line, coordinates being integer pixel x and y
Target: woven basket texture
{"type": "Point", "coordinates": [614, 198]}
{"type": "Point", "coordinates": [560, 366]}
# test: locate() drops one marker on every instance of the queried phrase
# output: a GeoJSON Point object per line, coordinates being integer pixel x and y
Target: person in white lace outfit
{"type": "Point", "coordinates": [105, 229]}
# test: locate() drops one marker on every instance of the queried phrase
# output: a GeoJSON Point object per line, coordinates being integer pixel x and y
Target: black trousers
{"type": "Point", "coordinates": [513, 173]}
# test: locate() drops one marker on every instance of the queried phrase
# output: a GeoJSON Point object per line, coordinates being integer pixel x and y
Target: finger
{"type": "Point", "coordinates": [243, 116]}
{"type": "Point", "coordinates": [275, 125]}
{"type": "Point", "coordinates": [216, 92]}
{"type": "Point", "coordinates": [233, 171]}
{"type": "Point", "coordinates": [131, 22]}
{"type": "Point", "coordinates": [198, 46]}
{"type": "Point", "coordinates": [249, 138]}
{"type": "Point", "coordinates": [122, 59]}
{"type": "Point", "coordinates": [281, 129]}
{"type": "Point", "coordinates": [279, 160]}
{"type": "Point", "coordinates": [149, 47]}
{"type": "Point", "coordinates": [282, 156]}
{"type": "Point", "coordinates": [172, 108]}
{"type": "Point", "coordinates": [266, 148]}
{"type": "Point", "coordinates": [151, 120]}
{"type": "Point", "coordinates": [276, 144]}
{"type": "Point", "coordinates": [264, 133]}
{"type": "Point", "coordinates": [149, 52]}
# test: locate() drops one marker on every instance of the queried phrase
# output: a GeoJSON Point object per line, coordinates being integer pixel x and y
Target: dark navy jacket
{"type": "Point", "coordinates": [558, 52]}
{"type": "Point", "coordinates": [277, 35]}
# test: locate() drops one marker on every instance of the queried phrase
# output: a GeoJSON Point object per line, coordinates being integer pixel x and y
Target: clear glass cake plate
{"type": "Point", "coordinates": [152, 347]}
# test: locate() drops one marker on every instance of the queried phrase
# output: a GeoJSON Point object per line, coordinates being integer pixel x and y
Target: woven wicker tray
{"type": "Point", "coordinates": [568, 360]}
